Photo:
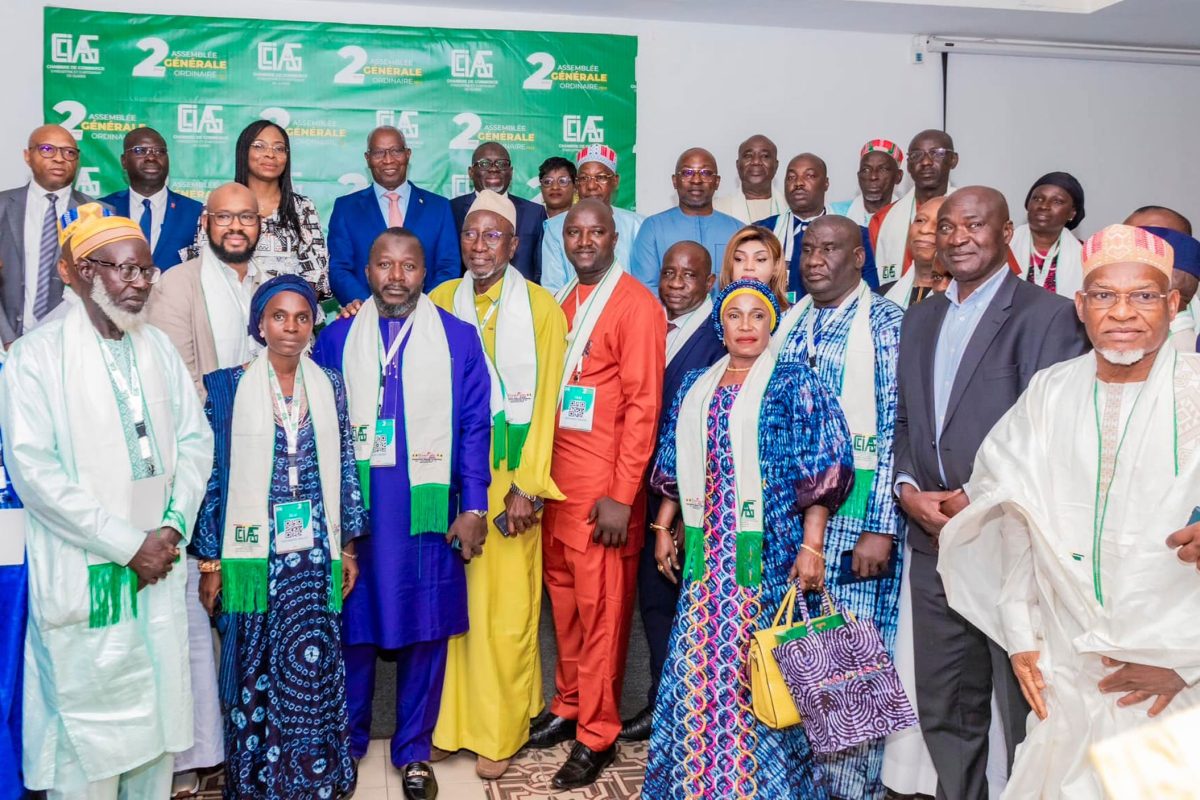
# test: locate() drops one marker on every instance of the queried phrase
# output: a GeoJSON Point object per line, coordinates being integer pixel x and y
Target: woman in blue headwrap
{"type": "Point", "coordinates": [276, 534]}
{"type": "Point", "coordinates": [756, 455]}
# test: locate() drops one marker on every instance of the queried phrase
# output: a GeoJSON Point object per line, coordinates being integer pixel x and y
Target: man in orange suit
{"type": "Point", "coordinates": [607, 423]}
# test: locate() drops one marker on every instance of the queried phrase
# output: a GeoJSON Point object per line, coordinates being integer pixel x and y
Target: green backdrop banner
{"type": "Point", "coordinates": [200, 80]}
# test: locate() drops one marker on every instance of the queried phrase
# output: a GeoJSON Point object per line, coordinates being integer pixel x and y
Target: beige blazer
{"type": "Point", "coordinates": [177, 307]}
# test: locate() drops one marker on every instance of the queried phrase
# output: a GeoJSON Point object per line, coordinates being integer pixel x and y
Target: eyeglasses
{"type": "Point", "coordinates": [141, 151]}
{"type": "Point", "coordinates": [493, 163]}
{"type": "Point", "coordinates": [562, 180]}
{"type": "Point", "coordinates": [129, 272]}
{"type": "Point", "coordinates": [224, 219]}
{"type": "Point", "coordinates": [380, 153]}
{"type": "Point", "coordinates": [50, 151]}
{"type": "Point", "coordinates": [871, 172]}
{"type": "Point", "coordinates": [935, 153]}
{"type": "Point", "coordinates": [603, 180]}
{"type": "Point", "coordinates": [261, 147]}
{"type": "Point", "coordinates": [705, 175]}
{"type": "Point", "coordinates": [1143, 299]}
{"type": "Point", "coordinates": [491, 238]}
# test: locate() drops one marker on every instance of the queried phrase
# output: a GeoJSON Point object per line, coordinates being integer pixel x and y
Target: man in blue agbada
{"type": "Point", "coordinates": [12, 630]}
{"type": "Point", "coordinates": [418, 388]}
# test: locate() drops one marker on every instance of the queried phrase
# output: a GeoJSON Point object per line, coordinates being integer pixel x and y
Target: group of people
{"type": "Point", "coordinates": [248, 460]}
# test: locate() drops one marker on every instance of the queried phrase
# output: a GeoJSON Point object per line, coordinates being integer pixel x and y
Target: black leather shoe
{"type": "Point", "coordinates": [583, 767]}
{"type": "Point", "coordinates": [548, 730]}
{"type": "Point", "coordinates": [419, 783]}
{"type": "Point", "coordinates": [638, 728]}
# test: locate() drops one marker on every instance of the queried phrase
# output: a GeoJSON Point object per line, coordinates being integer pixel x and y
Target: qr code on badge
{"type": "Point", "coordinates": [293, 529]}
{"type": "Point", "coordinates": [380, 443]}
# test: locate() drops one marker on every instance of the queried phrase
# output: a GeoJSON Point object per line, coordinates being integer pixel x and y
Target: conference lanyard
{"type": "Point", "coordinates": [289, 418]}
{"type": "Point", "coordinates": [131, 394]}
{"type": "Point", "coordinates": [810, 344]}
{"type": "Point", "coordinates": [577, 371]}
{"type": "Point", "coordinates": [387, 358]}
{"type": "Point", "coordinates": [1040, 273]}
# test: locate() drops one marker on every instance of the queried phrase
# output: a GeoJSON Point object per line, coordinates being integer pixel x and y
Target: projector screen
{"type": "Point", "coordinates": [1128, 132]}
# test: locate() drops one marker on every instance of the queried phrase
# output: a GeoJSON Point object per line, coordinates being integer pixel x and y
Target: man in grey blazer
{"type": "Point", "coordinates": [29, 230]}
{"type": "Point", "coordinates": [965, 357]}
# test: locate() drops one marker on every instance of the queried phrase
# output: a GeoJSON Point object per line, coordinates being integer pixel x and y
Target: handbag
{"type": "Point", "coordinates": [770, 698]}
{"type": "Point", "coordinates": [844, 683]}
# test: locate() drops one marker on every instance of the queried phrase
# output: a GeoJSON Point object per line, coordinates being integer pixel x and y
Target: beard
{"type": "Point", "coordinates": [1122, 358]}
{"type": "Point", "coordinates": [395, 310]}
{"type": "Point", "coordinates": [488, 275]}
{"type": "Point", "coordinates": [232, 258]}
{"type": "Point", "coordinates": [127, 321]}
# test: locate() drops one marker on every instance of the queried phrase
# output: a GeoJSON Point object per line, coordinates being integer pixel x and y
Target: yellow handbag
{"type": "Point", "coordinates": [769, 696]}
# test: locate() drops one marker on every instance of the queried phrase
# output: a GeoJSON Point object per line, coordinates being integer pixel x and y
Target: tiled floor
{"type": "Point", "coordinates": [379, 780]}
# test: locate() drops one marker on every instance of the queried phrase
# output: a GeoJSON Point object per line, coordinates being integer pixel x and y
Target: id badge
{"type": "Point", "coordinates": [383, 450]}
{"type": "Point", "coordinates": [12, 536]}
{"type": "Point", "coordinates": [149, 501]}
{"type": "Point", "coordinates": [578, 408]}
{"type": "Point", "coordinates": [889, 273]}
{"type": "Point", "coordinates": [293, 526]}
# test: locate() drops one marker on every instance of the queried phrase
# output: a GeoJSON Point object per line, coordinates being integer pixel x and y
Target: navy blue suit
{"type": "Point", "coordinates": [657, 597]}
{"type": "Point", "coordinates": [179, 224]}
{"type": "Point", "coordinates": [796, 284]}
{"type": "Point", "coordinates": [356, 222]}
{"type": "Point", "coordinates": [530, 217]}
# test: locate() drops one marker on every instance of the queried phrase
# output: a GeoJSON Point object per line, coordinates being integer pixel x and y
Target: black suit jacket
{"type": "Point", "coordinates": [1025, 329]}
{"type": "Point", "coordinates": [530, 217]}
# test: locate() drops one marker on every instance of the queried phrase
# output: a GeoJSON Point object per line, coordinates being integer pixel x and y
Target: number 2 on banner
{"type": "Point", "coordinates": [351, 74]}
{"type": "Point", "coordinates": [471, 125]}
{"type": "Point", "coordinates": [76, 113]}
{"type": "Point", "coordinates": [540, 79]}
{"type": "Point", "coordinates": [151, 66]}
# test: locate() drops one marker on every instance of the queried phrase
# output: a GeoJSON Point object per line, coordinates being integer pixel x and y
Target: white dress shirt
{"type": "Point", "coordinates": [158, 212]}
{"type": "Point", "coordinates": [35, 215]}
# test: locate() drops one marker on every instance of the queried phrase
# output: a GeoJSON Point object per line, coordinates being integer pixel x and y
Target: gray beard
{"type": "Point", "coordinates": [488, 276]}
{"type": "Point", "coordinates": [1122, 358]}
{"type": "Point", "coordinates": [396, 310]}
{"type": "Point", "coordinates": [125, 320]}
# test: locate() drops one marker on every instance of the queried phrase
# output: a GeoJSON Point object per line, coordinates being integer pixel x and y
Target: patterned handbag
{"type": "Point", "coordinates": [844, 684]}
{"type": "Point", "coordinates": [769, 696]}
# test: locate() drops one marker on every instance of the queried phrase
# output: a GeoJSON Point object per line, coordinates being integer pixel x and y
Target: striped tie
{"type": "Point", "coordinates": [47, 259]}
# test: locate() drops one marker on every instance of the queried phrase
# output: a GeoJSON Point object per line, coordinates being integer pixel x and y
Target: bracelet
{"type": "Point", "coordinates": [210, 566]}
{"type": "Point", "coordinates": [349, 555]}
{"type": "Point", "coordinates": [517, 491]}
{"type": "Point", "coordinates": [654, 526]}
{"type": "Point", "coordinates": [813, 550]}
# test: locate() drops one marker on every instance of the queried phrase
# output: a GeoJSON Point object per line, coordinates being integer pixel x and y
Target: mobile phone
{"type": "Point", "coordinates": [1195, 517]}
{"type": "Point", "coordinates": [501, 519]}
{"type": "Point", "coordinates": [846, 569]}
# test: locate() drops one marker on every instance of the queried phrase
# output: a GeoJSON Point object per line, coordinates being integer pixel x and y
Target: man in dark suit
{"type": "Point", "coordinates": [684, 286]}
{"type": "Point", "coordinates": [392, 201]}
{"type": "Point", "coordinates": [168, 219]}
{"type": "Point", "coordinates": [491, 168]}
{"type": "Point", "coordinates": [965, 358]}
{"type": "Point", "coordinates": [29, 217]}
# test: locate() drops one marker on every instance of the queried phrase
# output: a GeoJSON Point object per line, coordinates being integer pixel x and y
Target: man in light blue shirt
{"type": "Point", "coordinates": [596, 177]}
{"type": "Point", "coordinates": [695, 180]}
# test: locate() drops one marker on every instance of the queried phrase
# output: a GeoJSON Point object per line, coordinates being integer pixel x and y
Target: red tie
{"type": "Point", "coordinates": [671, 326]}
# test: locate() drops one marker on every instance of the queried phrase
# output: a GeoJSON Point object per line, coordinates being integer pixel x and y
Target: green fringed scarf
{"type": "Point", "coordinates": [691, 446]}
{"type": "Point", "coordinates": [513, 369]}
{"type": "Point", "coordinates": [246, 545]}
{"type": "Point", "coordinates": [855, 387]}
{"type": "Point", "coordinates": [425, 377]}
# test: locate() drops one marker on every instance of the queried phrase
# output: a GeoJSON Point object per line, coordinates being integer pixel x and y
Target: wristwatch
{"type": "Point", "coordinates": [481, 513]}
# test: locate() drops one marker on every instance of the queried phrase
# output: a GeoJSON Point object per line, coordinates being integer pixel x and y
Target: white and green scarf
{"type": "Point", "coordinates": [514, 370]}
{"type": "Point", "coordinates": [585, 320]}
{"type": "Point", "coordinates": [425, 379]}
{"type": "Point", "coordinates": [691, 444]}
{"type": "Point", "coordinates": [101, 455]}
{"type": "Point", "coordinates": [246, 544]}
{"type": "Point", "coordinates": [855, 387]}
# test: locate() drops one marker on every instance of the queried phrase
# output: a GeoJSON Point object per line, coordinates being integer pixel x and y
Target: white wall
{"type": "Point", "coordinates": [698, 84]}
{"type": "Point", "coordinates": [1126, 131]}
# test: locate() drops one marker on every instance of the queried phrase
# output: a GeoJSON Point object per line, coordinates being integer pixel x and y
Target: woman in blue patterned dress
{"type": "Point", "coordinates": [794, 462]}
{"type": "Point", "coordinates": [276, 533]}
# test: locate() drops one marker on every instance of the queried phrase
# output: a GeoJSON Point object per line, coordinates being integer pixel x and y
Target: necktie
{"type": "Point", "coordinates": [47, 258]}
{"type": "Point", "coordinates": [395, 215]}
{"type": "Point", "coordinates": [671, 326]}
{"type": "Point", "coordinates": [146, 217]}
